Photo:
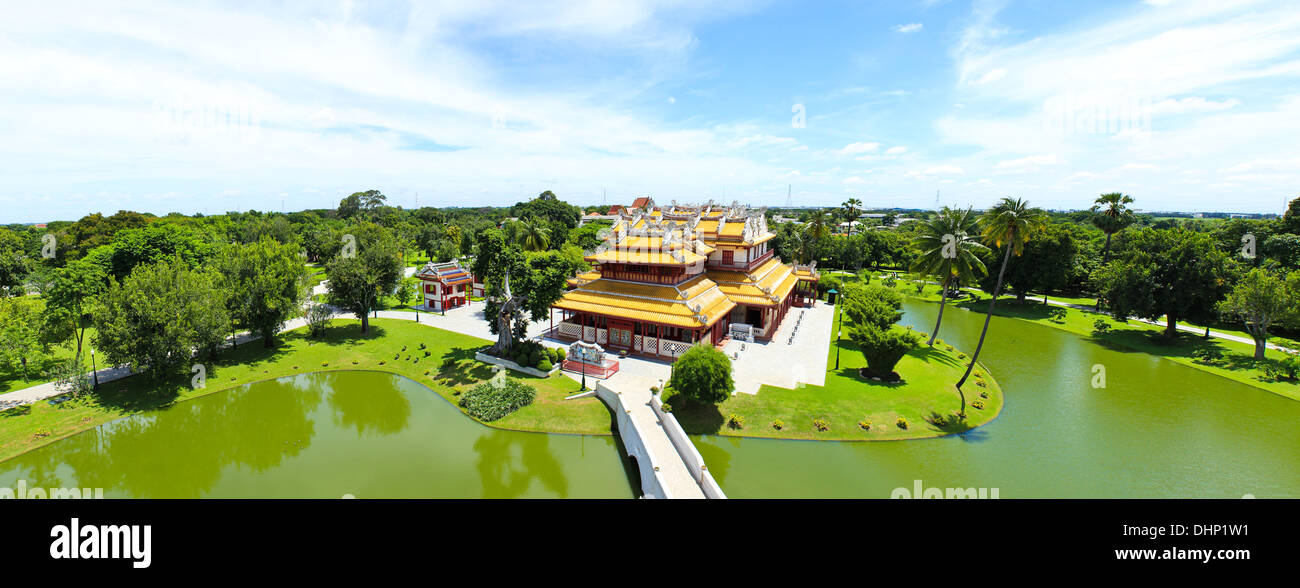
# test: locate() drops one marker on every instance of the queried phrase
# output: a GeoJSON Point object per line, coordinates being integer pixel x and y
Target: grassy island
{"type": "Point", "coordinates": [925, 398]}
{"type": "Point", "coordinates": [393, 346]}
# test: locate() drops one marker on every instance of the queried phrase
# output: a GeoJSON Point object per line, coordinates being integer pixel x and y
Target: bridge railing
{"type": "Point", "coordinates": [648, 464]}
{"type": "Point", "coordinates": [687, 450]}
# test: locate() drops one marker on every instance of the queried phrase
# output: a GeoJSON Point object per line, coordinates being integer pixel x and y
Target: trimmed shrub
{"type": "Point", "coordinates": [902, 423]}
{"type": "Point", "coordinates": [821, 424]}
{"type": "Point", "coordinates": [703, 374]}
{"type": "Point", "coordinates": [778, 424]}
{"type": "Point", "coordinates": [545, 365]}
{"type": "Point", "coordinates": [736, 421]}
{"type": "Point", "coordinates": [560, 353]}
{"type": "Point", "coordinates": [883, 349]}
{"type": "Point", "coordinates": [864, 425]}
{"type": "Point", "coordinates": [496, 399]}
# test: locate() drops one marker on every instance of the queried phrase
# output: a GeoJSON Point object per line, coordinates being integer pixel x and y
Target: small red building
{"type": "Point", "coordinates": [447, 285]}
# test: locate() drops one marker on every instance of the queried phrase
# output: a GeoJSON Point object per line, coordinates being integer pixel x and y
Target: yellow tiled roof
{"type": "Point", "coordinates": [733, 229]}
{"type": "Point", "coordinates": [639, 303]}
{"type": "Point", "coordinates": [744, 289]}
{"type": "Point", "coordinates": [807, 275]}
{"type": "Point", "coordinates": [655, 257]}
{"type": "Point", "coordinates": [707, 226]}
{"type": "Point", "coordinates": [583, 278]}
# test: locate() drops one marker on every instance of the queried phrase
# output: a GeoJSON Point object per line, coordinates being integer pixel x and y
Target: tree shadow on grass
{"type": "Point", "coordinates": [459, 368]}
{"type": "Point", "coordinates": [696, 418]}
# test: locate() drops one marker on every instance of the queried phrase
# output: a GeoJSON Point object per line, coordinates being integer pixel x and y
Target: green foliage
{"type": "Point", "coordinates": [883, 348]}
{"type": "Point", "coordinates": [872, 305]}
{"type": "Point", "coordinates": [357, 282]}
{"type": "Point", "coordinates": [1259, 300]}
{"type": "Point", "coordinates": [159, 315]}
{"type": "Point", "coordinates": [545, 365]}
{"type": "Point", "coordinates": [821, 424]}
{"type": "Point", "coordinates": [71, 377]}
{"type": "Point", "coordinates": [703, 374]}
{"type": "Point", "coordinates": [1100, 326]}
{"type": "Point", "coordinates": [20, 338]}
{"type": "Point", "coordinates": [1057, 314]}
{"type": "Point", "coordinates": [493, 400]}
{"type": "Point", "coordinates": [1174, 273]}
{"type": "Point", "coordinates": [901, 423]}
{"type": "Point", "coordinates": [736, 421]}
{"type": "Point", "coordinates": [318, 316]}
{"type": "Point", "coordinates": [267, 284]}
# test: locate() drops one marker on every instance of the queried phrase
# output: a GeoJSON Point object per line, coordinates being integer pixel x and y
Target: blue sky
{"type": "Point", "coordinates": [201, 107]}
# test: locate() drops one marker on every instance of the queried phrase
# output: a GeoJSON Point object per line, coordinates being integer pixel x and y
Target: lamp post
{"type": "Point", "coordinates": [583, 362]}
{"type": "Point", "coordinates": [839, 318]}
{"type": "Point", "coordinates": [94, 373]}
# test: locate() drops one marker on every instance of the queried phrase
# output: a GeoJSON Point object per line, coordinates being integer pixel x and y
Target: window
{"type": "Point", "coordinates": [728, 256]}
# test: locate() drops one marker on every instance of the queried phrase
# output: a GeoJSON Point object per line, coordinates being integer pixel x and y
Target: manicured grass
{"type": "Point", "coordinates": [450, 366]}
{"type": "Point", "coordinates": [848, 398]}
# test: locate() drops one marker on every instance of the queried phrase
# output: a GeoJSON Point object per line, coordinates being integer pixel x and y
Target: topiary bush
{"type": "Point", "coordinates": [496, 399]}
{"type": "Point", "coordinates": [736, 421]}
{"type": "Point", "coordinates": [778, 424]}
{"type": "Point", "coordinates": [703, 374]}
{"type": "Point", "coordinates": [902, 423]}
{"type": "Point", "coordinates": [545, 365]}
{"type": "Point", "coordinates": [560, 353]}
{"type": "Point", "coordinates": [821, 424]}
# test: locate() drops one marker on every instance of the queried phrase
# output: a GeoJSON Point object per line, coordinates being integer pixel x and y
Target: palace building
{"type": "Point", "coordinates": [669, 277]}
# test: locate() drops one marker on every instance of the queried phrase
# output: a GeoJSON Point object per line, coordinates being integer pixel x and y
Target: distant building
{"type": "Point", "coordinates": [447, 285]}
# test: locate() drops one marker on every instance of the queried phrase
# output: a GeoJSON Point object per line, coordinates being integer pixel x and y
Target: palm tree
{"type": "Point", "coordinates": [949, 246]}
{"type": "Point", "coordinates": [533, 235]}
{"type": "Point", "coordinates": [816, 230]}
{"type": "Point", "coordinates": [1111, 214]}
{"type": "Point", "coordinates": [852, 208]}
{"type": "Point", "coordinates": [1008, 223]}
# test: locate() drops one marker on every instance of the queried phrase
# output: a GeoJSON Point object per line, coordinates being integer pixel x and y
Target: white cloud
{"type": "Point", "coordinates": [910, 27]}
{"type": "Point", "coordinates": [896, 150]}
{"type": "Point", "coordinates": [859, 148]}
{"type": "Point", "coordinates": [1028, 164]}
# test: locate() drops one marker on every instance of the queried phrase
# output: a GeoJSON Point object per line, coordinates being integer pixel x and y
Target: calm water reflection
{"type": "Point", "coordinates": [1158, 429]}
{"type": "Point", "coordinates": [323, 435]}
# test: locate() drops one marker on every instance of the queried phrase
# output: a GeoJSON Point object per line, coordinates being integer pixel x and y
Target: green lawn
{"type": "Point", "coordinates": [848, 398]}
{"type": "Point", "coordinates": [341, 348]}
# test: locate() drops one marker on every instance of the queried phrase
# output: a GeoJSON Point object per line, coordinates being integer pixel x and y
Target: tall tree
{"type": "Point", "coordinates": [70, 298]}
{"type": "Point", "coordinates": [160, 315]}
{"type": "Point", "coordinates": [852, 209]}
{"type": "Point", "coordinates": [534, 235]}
{"type": "Point", "coordinates": [21, 344]}
{"type": "Point", "coordinates": [267, 283]}
{"type": "Point", "coordinates": [1291, 218]}
{"type": "Point", "coordinates": [1173, 274]}
{"type": "Point", "coordinates": [357, 281]}
{"type": "Point", "coordinates": [949, 251]}
{"type": "Point", "coordinates": [1111, 214]}
{"type": "Point", "coordinates": [1259, 300]}
{"type": "Point", "coordinates": [520, 287]}
{"type": "Point", "coordinates": [1010, 223]}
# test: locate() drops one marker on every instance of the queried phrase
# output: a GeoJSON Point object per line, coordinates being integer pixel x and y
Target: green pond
{"type": "Point", "coordinates": [1158, 429]}
{"type": "Point", "coordinates": [323, 435]}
